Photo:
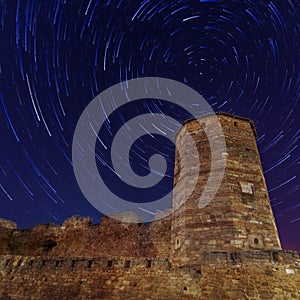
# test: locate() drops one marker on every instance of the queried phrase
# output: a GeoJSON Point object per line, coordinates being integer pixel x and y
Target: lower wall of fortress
{"type": "Point", "coordinates": [220, 275]}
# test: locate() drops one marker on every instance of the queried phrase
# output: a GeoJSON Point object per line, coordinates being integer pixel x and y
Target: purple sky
{"type": "Point", "coordinates": [56, 56]}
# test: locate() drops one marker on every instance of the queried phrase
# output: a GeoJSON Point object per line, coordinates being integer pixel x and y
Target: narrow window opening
{"type": "Point", "coordinates": [90, 263]}
{"type": "Point", "coordinates": [233, 256]}
{"type": "Point", "coordinates": [185, 288]}
{"type": "Point", "coordinates": [177, 243]}
{"type": "Point", "coordinates": [275, 256]}
{"type": "Point", "coordinates": [73, 263]}
{"type": "Point", "coordinates": [127, 264]}
{"type": "Point", "coordinates": [110, 263]}
{"type": "Point", "coordinates": [148, 263]}
{"type": "Point", "coordinates": [256, 241]}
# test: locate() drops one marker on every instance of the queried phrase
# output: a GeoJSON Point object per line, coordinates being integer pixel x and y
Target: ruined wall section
{"type": "Point", "coordinates": [6, 230]}
{"type": "Point", "coordinates": [220, 275]}
{"type": "Point", "coordinates": [79, 237]}
{"type": "Point", "coordinates": [7, 224]}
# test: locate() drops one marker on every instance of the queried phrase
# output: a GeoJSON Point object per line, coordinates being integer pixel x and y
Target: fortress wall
{"type": "Point", "coordinates": [220, 275]}
{"type": "Point", "coordinates": [160, 236]}
{"type": "Point", "coordinates": [226, 250]}
{"type": "Point", "coordinates": [79, 237]}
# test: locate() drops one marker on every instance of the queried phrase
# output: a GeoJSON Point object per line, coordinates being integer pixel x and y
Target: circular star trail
{"type": "Point", "coordinates": [56, 56]}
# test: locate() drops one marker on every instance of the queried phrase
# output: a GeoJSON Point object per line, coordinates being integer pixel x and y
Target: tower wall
{"type": "Point", "coordinates": [239, 216]}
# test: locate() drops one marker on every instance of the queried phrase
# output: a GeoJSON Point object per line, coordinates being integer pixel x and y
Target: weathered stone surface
{"type": "Point", "coordinates": [218, 275]}
{"type": "Point", "coordinates": [228, 249]}
{"type": "Point", "coordinates": [79, 237]}
{"type": "Point", "coordinates": [239, 216]}
{"type": "Point", "coordinates": [7, 224]}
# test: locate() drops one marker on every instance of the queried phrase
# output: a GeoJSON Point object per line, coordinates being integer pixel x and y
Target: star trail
{"type": "Point", "coordinates": [56, 56]}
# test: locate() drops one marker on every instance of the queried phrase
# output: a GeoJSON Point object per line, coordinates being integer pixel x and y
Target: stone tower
{"type": "Point", "coordinates": [239, 216]}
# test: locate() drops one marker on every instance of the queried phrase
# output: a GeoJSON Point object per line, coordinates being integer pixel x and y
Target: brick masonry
{"type": "Point", "coordinates": [239, 217]}
{"type": "Point", "coordinates": [228, 249]}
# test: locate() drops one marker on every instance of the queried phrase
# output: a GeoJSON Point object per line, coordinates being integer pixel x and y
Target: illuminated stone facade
{"type": "Point", "coordinates": [228, 249]}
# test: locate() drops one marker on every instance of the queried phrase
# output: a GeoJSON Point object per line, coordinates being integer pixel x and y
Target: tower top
{"type": "Point", "coordinates": [232, 116]}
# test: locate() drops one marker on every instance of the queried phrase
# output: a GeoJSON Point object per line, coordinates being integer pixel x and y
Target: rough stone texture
{"type": "Point", "coordinates": [218, 275]}
{"type": "Point", "coordinates": [7, 224]}
{"type": "Point", "coordinates": [79, 237]}
{"type": "Point", "coordinates": [234, 220]}
{"type": "Point", "coordinates": [6, 229]}
{"type": "Point", "coordinates": [227, 250]}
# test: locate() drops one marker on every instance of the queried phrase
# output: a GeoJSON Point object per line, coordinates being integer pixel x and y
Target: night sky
{"type": "Point", "coordinates": [56, 56]}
